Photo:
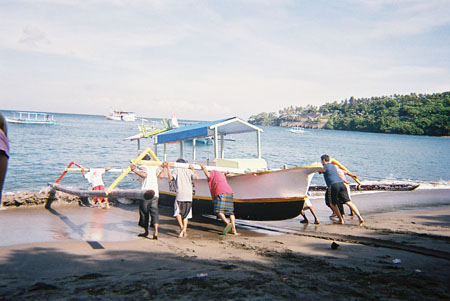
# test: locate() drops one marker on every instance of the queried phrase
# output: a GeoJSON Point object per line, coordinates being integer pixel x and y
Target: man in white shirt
{"type": "Point", "coordinates": [148, 208]}
{"type": "Point", "coordinates": [183, 178]}
{"type": "Point", "coordinates": [94, 177]}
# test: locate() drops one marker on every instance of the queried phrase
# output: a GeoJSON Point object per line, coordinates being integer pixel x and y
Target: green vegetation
{"type": "Point", "coordinates": [423, 114]}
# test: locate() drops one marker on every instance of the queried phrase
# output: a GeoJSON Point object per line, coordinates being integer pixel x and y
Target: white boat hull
{"type": "Point", "coordinates": [269, 195]}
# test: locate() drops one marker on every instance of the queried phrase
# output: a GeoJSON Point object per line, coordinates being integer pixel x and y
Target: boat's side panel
{"type": "Point", "coordinates": [258, 196]}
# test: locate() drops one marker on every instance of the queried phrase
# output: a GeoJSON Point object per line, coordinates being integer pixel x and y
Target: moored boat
{"type": "Point", "coordinates": [121, 116]}
{"type": "Point", "coordinates": [31, 118]}
{"type": "Point", "coordinates": [297, 130]}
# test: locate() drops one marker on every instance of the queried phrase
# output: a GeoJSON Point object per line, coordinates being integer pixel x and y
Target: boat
{"type": "Point", "coordinates": [31, 118]}
{"type": "Point", "coordinates": [260, 193]}
{"type": "Point", "coordinates": [297, 130]}
{"type": "Point", "coordinates": [121, 116]}
{"type": "Point", "coordinates": [374, 187]}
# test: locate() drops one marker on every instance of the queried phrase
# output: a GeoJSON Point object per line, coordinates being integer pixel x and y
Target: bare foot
{"type": "Point", "coordinates": [182, 233]}
{"type": "Point", "coordinates": [317, 222]}
{"type": "Point", "coordinates": [305, 221]}
{"type": "Point", "coordinates": [341, 221]}
{"type": "Point", "coordinates": [361, 222]}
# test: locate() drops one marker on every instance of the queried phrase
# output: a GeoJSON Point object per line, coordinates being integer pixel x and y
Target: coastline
{"type": "Point", "coordinates": [257, 264]}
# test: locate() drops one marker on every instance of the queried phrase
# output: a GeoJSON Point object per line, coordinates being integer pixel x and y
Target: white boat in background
{"type": "Point", "coordinates": [31, 118]}
{"type": "Point", "coordinates": [121, 116]}
{"type": "Point", "coordinates": [297, 130]}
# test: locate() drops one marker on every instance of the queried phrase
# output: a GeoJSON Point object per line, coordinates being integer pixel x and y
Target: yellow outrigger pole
{"type": "Point", "coordinates": [128, 169]}
{"type": "Point", "coordinates": [336, 162]}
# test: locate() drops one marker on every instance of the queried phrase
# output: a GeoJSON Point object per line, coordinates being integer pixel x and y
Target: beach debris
{"type": "Point", "coordinates": [202, 275]}
{"type": "Point", "coordinates": [334, 245]}
{"type": "Point", "coordinates": [396, 261]}
{"type": "Point", "coordinates": [418, 271]}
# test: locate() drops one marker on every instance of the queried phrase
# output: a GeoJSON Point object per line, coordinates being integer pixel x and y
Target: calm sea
{"type": "Point", "coordinates": [40, 153]}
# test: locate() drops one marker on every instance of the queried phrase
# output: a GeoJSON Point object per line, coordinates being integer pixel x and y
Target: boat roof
{"type": "Point", "coordinates": [37, 113]}
{"type": "Point", "coordinates": [227, 126]}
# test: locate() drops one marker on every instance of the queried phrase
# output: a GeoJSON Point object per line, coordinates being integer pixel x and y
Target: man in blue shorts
{"type": "Point", "coordinates": [337, 190]}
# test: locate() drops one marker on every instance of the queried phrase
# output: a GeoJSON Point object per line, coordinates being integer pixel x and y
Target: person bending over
{"type": "Point", "coordinates": [183, 178]}
{"type": "Point", "coordinates": [337, 190]}
{"type": "Point", "coordinates": [222, 196]}
{"type": "Point", "coordinates": [148, 208]}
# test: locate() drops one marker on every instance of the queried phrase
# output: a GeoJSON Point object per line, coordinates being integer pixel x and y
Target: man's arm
{"type": "Point", "coordinates": [205, 171]}
{"type": "Point", "coordinates": [191, 167]}
{"type": "Point", "coordinates": [140, 173]}
{"type": "Point", "coordinates": [169, 172]}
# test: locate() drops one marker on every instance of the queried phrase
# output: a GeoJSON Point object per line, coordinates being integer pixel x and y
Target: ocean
{"type": "Point", "coordinates": [39, 153]}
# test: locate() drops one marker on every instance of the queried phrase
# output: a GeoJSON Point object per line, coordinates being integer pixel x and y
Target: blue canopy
{"type": "Point", "coordinates": [232, 125]}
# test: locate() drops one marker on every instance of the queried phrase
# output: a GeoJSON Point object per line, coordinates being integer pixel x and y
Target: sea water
{"type": "Point", "coordinates": [39, 153]}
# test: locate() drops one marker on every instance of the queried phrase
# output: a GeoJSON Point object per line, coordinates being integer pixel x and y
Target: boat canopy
{"type": "Point", "coordinates": [217, 129]}
{"type": "Point", "coordinates": [228, 126]}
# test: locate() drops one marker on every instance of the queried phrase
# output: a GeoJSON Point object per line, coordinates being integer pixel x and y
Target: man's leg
{"type": "Point", "coordinates": [144, 216]}
{"type": "Point", "coordinates": [233, 222]}
{"type": "Point", "coordinates": [223, 218]}
{"type": "Point", "coordinates": [354, 209]}
{"type": "Point", "coordinates": [305, 219]}
{"type": "Point", "coordinates": [316, 220]}
{"type": "Point", "coordinates": [154, 212]}
{"type": "Point", "coordinates": [180, 222]}
{"type": "Point", "coordinates": [337, 212]}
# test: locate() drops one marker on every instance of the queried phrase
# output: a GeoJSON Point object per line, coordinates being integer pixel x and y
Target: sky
{"type": "Point", "coordinates": [216, 59]}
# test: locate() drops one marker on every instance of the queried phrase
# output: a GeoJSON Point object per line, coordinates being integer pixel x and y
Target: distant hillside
{"type": "Point", "coordinates": [423, 114]}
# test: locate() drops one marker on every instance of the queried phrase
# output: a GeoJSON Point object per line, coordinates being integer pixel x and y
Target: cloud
{"type": "Point", "coordinates": [217, 58]}
{"type": "Point", "coordinates": [34, 37]}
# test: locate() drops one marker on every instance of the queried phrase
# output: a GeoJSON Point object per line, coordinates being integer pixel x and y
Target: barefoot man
{"type": "Point", "coordinates": [183, 178]}
{"type": "Point", "coordinates": [338, 191]}
{"type": "Point", "coordinates": [222, 196]}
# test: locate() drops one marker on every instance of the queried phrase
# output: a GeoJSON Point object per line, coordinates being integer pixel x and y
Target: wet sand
{"type": "Point", "coordinates": [85, 253]}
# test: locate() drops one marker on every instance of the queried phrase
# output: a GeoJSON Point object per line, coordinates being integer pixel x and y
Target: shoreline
{"type": "Point", "coordinates": [92, 253]}
{"type": "Point", "coordinates": [253, 265]}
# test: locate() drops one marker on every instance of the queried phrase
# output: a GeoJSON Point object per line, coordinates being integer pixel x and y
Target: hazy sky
{"type": "Point", "coordinates": [215, 59]}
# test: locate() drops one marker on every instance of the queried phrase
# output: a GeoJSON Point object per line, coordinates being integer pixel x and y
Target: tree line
{"type": "Point", "coordinates": [414, 114]}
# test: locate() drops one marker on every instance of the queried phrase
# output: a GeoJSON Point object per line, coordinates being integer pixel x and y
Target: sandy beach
{"type": "Point", "coordinates": [95, 254]}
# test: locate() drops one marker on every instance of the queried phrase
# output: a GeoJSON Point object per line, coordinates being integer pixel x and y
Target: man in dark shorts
{"type": "Point", "coordinates": [337, 192]}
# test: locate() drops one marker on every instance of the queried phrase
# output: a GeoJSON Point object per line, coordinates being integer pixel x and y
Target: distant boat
{"type": "Point", "coordinates": [31, 118]}
{"type": "Point", "coordinates": [121, 116]}
{"type": "Point", "coordinates": [297, 130]}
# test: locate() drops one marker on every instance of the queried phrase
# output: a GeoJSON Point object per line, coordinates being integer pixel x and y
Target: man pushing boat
{"type": "Point", "coordinates": [222, 196]}
{"type": "Point", "coordinates": [338, 191]}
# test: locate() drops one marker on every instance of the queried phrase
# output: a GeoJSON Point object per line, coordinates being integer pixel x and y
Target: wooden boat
{"type": "Point", "coordinates": [374, 187]}
{"type": "Point", "coordinates": [259, 193]}
{"type": "Point", "coordinates": [31, 118]}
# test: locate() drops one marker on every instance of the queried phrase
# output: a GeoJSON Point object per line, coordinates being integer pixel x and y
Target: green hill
{"type": "Point", "coordinates": [422, 114]}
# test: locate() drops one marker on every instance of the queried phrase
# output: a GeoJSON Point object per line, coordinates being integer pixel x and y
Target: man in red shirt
{"type": "Point", "coordinates": [222, 197]}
